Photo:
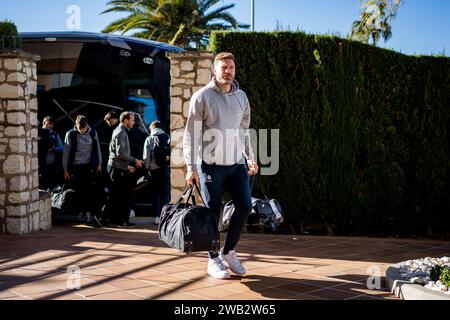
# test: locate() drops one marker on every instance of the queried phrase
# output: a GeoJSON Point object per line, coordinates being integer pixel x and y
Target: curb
{"type": "Point", "coordinates": [409, 291]}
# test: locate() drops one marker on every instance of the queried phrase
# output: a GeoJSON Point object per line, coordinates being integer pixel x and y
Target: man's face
{"type": "Point", "coordinates": [48, 125]}
{"type": "Point", "coordinates": [129, 123]}
{"type": "Point", "coordinates": [82, 130]}
{"type": "Point", "coordinates": [111, 122]}
{"type": "Point", "coordinates": [225, 71]}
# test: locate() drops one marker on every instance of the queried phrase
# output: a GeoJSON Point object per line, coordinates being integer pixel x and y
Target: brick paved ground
{"type": "Point", "coordinates": [134, 264]}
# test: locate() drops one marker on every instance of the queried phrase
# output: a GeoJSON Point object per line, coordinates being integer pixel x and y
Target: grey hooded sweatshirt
{"type": "Point", "coordinates": [217, 127]}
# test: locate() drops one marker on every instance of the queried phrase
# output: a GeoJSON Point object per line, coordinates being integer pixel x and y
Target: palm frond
{"type": "Point", "coordinates": [116, 25]}
{"type": "Point", "coordinates": [181, 22]}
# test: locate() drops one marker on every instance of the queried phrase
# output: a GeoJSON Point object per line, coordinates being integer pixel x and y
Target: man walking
{"type": "Point", "coordinates": [157, 160]}
{"type": "Point", "coordinates": [218, 123]}
{"type": "Point", "coordinates": [50, 154]}
{"type": "Point", "coordinates": [120, 165]}
{"type": "Point", "coordinates": [82, 159]}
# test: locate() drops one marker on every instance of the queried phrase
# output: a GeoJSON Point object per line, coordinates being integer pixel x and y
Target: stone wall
{"type": "Point", "coordinates": [190, 71]}
{"type": "Point", "coordinates": [21, 210]}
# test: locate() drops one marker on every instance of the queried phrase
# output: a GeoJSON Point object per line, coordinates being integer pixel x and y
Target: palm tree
{"type": "Point", "coordinates": [375, 22]}
{"type": "Point", "coordinates": [185, 23]}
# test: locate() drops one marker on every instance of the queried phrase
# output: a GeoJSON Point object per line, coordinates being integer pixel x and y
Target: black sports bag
{"type": "Point", "coordinates": [266, 213]}
{"type": "Point", "coordinates": [189, 227]}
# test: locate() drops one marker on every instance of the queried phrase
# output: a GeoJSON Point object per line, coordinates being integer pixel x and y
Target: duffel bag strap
{"type": "Point", "coordinates": [189, 190]}
{"type": "Point", "coordinates": [259, 186]}
{"type": "Point", "coordinates": [199, 193]}
{"type": "Point", "coordinates": [191, 195]}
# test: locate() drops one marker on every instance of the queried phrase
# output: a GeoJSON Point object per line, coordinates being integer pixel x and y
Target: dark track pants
{"type": "Point", "coordinates": [120, 199]}
{"type": "Point", "coordinates": [214, 180]}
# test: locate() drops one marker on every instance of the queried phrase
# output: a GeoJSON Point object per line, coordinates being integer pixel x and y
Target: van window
{"type": "Point", "coordinates": [142, 102]}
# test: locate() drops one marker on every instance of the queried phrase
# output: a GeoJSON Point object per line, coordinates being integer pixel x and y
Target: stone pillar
{"type": "Point", "coordinates": [189, 71]}
{"type": "Point", "coordinates": [21, 210]}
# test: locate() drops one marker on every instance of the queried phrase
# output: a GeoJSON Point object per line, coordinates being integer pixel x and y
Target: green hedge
{"type": "Point", "coordinates": [364, 132]}
{"type": "Point", "coordinates": [9, 36]}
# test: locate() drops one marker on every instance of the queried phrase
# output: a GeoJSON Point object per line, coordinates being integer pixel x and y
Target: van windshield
{"type": "Point", "coordinates": [93, 78]}
{"type": "Point", "coordinates": [142, 102]}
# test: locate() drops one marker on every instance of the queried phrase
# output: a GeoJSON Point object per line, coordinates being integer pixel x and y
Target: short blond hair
{"type": "Point", "coordinates": [155, 124]}
{"type": "Point", "coordinates": [110, 115]}
{"type": "Point", "coordinates": [126, 116]}
{"type": "Point", "coordinates": [48, 119]}
{"type": "Point", "coordinates": [223, 56]}
{"type": "Point", "coordinates": [81, 122]}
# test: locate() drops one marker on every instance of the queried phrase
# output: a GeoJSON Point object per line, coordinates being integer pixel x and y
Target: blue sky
{"type": "Point", "coordinates": [422, 26]}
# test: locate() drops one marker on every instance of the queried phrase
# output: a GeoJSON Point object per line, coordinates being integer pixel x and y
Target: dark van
{"type": "Point", "coordinates": [94, 73]}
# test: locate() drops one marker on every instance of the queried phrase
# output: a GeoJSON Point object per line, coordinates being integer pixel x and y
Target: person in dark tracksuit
{"type": "Point", "coordinates": [82, 160]}
{"type": "Point", "coordinates": [112, 120]}
{"type": "Point", "coordinates": [50, 152]}
{"type": "Point", "coordinates": [215, 111]}
{"type": "Point", "coordinates": [159, 168]}
{"type": "Point", "coordinates": [120, 166]}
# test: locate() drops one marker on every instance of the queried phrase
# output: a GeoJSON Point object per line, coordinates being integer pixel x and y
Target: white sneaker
{"type": "Point", "coordinates": [217, 269]}
{"type": "Point", "coordinates": [232, 261]}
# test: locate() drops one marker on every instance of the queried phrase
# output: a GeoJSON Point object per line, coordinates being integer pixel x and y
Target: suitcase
{"type": "Point", "coordinates": [189, 227]}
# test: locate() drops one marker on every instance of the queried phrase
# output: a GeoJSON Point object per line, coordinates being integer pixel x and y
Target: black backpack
{"type": "Point", "coordinates": [189, 227]}
{"type": "Point", "coordinates": [161, 150]}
